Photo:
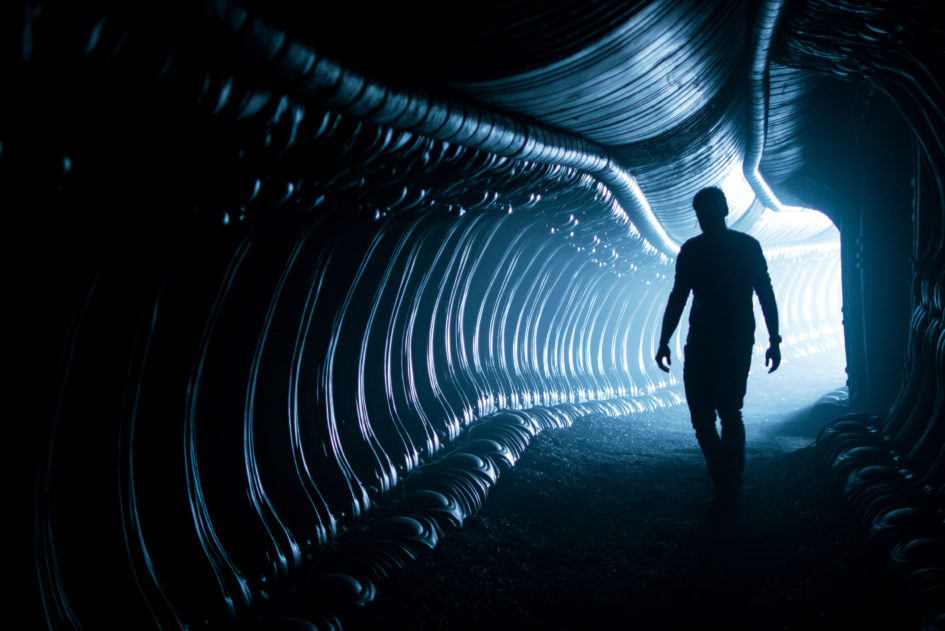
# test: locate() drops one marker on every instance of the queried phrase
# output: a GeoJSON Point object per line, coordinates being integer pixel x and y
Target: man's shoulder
{"type": "Point", "coordinates": [688, 249]}
{"type": "Point", "coordinates": [691, 244]}
{"type": "Point", "coordinates": [701, 245]}
{"type": "Point", "coordinates": [742, 236]}
{"type": "Point", "coordinates": [744, 240]}
{"type": "Point", "coordinates": [702, 240]}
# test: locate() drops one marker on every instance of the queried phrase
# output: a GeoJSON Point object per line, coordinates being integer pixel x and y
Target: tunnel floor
{"type": "Point", "coordinates": [607, 525]}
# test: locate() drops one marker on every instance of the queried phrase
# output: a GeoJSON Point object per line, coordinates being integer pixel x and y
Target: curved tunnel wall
{"type": "Point", "coordinates": [888, 180]}
{"type": "Point", "coordinates": [347, 302]}
{"type": "Point", "coordinates": [255, 402]}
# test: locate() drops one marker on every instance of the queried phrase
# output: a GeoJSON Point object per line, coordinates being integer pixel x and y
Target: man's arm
{"type": "Point", "coordinates": [769, 309]}
{"type": "Point", "coordinates": [674, 309]}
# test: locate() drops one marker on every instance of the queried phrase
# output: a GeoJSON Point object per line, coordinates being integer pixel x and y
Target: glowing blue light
{"type": "Point", "coordinates": [738, 192]}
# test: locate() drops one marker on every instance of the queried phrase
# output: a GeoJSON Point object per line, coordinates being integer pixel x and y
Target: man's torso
{"type": "Point", "coordinates": [721, 269]}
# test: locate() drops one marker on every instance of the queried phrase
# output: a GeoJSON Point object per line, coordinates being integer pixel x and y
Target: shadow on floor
{"type": "Point", "coordinates": [606, 526]}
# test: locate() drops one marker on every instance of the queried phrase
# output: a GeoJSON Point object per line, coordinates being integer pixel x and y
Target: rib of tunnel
{"type": "Point", "coordinates": [291, 285]}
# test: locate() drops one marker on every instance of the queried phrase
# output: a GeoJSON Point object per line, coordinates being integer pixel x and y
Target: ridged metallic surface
{"type": "Point", "coordinates": [892, 468]}
{"type": "Point", "coordinates": [648, 74]}
{"type": "Point", "coordinates": [322, 308]}
{"type": "Point", "coordinates": [325, 369]}
{"type": "Point", "coordinates": [792, 100]}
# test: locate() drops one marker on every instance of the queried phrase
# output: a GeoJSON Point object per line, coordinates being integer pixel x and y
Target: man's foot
{"type": "Point", "coordinates": [727, 501]}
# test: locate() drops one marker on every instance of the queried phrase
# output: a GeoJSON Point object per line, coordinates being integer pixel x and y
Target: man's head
{"type": "Point", "coordinates": [711, 209]}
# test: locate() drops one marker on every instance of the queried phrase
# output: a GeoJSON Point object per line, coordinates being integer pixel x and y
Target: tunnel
{"type": "Point", "coordinates": [294, 287]}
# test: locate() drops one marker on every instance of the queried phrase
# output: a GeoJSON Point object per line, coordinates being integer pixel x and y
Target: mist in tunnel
{"type": "Point", "coordinates": [289, 304]}
{"type": "Point", "coordinates": [808, 289]}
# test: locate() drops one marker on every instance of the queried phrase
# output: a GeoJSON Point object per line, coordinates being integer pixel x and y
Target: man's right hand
{"type": "Point", "coordinates": [663, 353]}
{"type": "Point", "coordinates": [773, 357]}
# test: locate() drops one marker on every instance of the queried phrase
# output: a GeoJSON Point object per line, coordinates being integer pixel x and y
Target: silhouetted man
{"type": "Point", "coordinates": [721, 268]}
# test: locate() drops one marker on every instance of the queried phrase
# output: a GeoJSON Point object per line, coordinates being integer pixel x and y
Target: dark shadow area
{"type": "Point", "coordinates": [606, 525]}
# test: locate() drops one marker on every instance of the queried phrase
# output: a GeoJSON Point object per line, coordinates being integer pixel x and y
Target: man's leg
{"type": "Point", "coordinates": [731, 396]}
{"type": "Point", "coordinates": [698, 378]}
{"type": "Point", "coordinates": [733, 450]}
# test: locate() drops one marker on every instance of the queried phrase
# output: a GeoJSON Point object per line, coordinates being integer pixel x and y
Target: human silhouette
{"type": "Point", "coordinates": [721, 268]}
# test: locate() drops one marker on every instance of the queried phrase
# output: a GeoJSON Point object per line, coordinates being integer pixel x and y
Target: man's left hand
{"type": "Point", "coordinates": [773, 357]}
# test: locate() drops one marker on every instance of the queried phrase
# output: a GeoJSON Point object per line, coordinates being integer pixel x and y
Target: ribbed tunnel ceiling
{"type": "Point", "coordinates": [645, 76]}
{"type": "Point", "coordinates": [661, 87]}
{"type": "Point", "coordinates": [315, 275]}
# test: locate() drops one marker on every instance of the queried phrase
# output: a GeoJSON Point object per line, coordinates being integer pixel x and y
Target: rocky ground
{"type": "Point", "coordinates": [606, 526]}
